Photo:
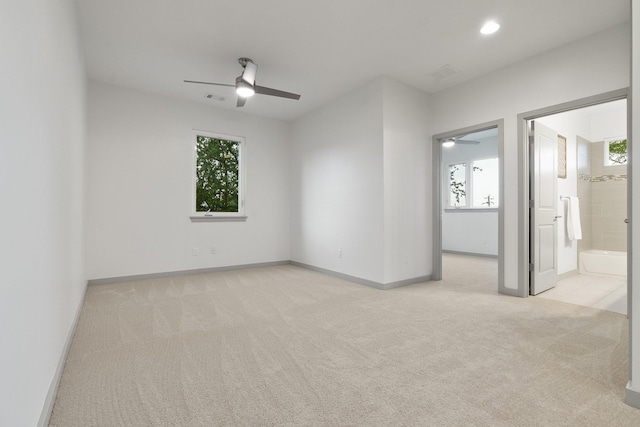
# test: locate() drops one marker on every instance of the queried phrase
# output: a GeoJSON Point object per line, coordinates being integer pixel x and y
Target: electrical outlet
{"type": "Point", "coordinates": [339, 253]}
{"type": "Point", "coordinates": [213, 251]}
{"type": "Point", "coordinates": [195, 252]}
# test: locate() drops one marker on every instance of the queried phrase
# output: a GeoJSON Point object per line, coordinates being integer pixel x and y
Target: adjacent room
{"type": "Point", "coordinates": [223, 213]}
{"type": "Point", "coordinates": [592, 244]}
{"type": "Point", "coordinates": [469, 201]}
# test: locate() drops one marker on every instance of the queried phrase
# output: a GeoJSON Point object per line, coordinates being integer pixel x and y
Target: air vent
{"type": "Point", "coordinates": [443, 72]}
{"type": "Point", "coordinates": [214, 97]}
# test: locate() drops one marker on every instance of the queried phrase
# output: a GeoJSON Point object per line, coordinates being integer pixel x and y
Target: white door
{"type": "Point", "coordinates": [544, 194]}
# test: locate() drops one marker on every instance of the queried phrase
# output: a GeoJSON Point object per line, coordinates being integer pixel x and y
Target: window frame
{"type": "Point", "coordinates": [469, 187]}
{"type": "Point", "coordinates": [218, 216]}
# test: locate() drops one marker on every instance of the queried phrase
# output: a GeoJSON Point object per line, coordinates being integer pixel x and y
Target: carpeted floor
{"type": "Point", "coordinates": [284, 346]}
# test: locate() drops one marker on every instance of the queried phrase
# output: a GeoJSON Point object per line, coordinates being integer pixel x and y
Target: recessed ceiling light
{"type": "Point", "coordinates": [490, 27]}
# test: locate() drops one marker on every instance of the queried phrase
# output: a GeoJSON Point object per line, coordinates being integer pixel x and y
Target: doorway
{"type": "Point", "coordinates": [467, 195]}
{"type": "Point", "coordinates": [591, 206]}
{"type": "Point", "coordinates": [566, 250]}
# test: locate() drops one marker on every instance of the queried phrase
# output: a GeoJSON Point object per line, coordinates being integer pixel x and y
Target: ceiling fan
{"type": "Point", "coordinates": [450, 142]}
{"type": "Point", "coordinates": [245, 84]}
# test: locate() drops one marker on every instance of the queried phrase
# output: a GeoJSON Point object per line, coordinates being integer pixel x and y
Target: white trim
{"type": "Point", "coordinates": [242, 154]}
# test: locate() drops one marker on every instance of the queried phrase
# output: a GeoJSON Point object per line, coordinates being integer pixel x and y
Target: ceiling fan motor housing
{"type": "Point", "coordinates": [244, 61]}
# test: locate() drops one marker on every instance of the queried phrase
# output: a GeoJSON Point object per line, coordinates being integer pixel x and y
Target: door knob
{"type": "Point", "coordinates": [626, 220]}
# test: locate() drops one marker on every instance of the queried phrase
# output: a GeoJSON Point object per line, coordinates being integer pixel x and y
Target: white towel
{"type": "Point", "coordinates": [573, 219]}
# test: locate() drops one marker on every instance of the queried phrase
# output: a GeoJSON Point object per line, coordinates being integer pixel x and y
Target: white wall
{"type": "Point", "coordinates": [560, 75]}
{"type": "Point", "coordinates": [337, 185]}
{"type": "Point", "coordinates": [361, 184]}
{"type": "Point", "coordinates": [464, 230]}
{"type": "Point", "coordinates": [407, 183]}
{"type": "Point", "coordinates": [41, 191]}
{"type": "Point", "coordinates": [609, 124]}
{"type": "Point", "coordinates": [140, 168]}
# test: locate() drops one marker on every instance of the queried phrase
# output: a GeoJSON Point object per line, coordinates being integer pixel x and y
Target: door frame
{"type": "Point", "coordinates": [436, 167]}
{"type": "Point", "coordinates": [524, 175]}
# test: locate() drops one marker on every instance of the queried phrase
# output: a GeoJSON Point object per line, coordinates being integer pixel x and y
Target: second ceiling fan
{"type": "Point", "coordinates": [245, 84]}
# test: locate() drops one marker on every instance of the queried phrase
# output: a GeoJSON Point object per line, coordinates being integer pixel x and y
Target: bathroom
{"type": "Point", "coordinates": [592, 168]}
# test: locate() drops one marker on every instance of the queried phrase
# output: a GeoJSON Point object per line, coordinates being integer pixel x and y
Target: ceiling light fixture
{"type": "Point", "coordinates": [244, 89]}
{"type": "Point", "coordinates": [490, 27]}
{"type": "Point", "coordinates": [449, 143]}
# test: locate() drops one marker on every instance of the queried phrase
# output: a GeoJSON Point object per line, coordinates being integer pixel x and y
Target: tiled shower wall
{"type": "Point", "coordinates": [603, 199]}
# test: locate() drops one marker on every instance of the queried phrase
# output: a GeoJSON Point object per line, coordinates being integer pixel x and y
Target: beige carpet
{"type": "Point", "coordinates": [286, 346]}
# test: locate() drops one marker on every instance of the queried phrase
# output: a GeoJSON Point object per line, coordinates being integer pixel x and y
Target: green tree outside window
{"type": "Point", "coordinates": [217, 174]}
{"type": "Point", "coordinates": [618, 152]}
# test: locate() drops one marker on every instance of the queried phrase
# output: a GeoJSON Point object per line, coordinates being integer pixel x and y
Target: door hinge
{"type": "Point", "coordinates": [531, 204]}
{"type": "Point", "coordinates": [530, 267]}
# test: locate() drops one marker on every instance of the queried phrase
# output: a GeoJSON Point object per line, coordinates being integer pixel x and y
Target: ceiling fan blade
{"type": "Point", "coordinates": [208, 83]}
{"type": "Point", "coordinates": [275, 92]}
{"type": "Point", "coordinates": [249, 73]}
{"type": "Point", "coordinates": [240, 102]}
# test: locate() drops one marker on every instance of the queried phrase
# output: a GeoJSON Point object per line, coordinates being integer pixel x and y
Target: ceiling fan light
{"type": "Point", "coordinates": [449, 143]}
{"type": "Point", "coordinates": [244, 90]}
{"type": "Point", "coordinates": [490, 27]}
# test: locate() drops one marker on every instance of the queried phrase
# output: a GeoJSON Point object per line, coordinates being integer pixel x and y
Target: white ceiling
{"type": "Point", "coordinates": [324, 48]}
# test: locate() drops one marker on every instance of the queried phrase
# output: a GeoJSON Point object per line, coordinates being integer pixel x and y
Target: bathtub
{"type": "Point", "coordinates": [609, 263]}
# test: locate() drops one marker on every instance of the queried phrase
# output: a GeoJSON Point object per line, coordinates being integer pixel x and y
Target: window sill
{"type": "Point", "coordinates": [450, 210]}
{"type": "Point", "coordinates": [218, 218]}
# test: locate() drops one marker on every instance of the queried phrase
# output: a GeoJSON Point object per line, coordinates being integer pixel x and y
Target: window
{"type": "Point", "coordinates": [615, 152]}
{"type": "Point", "coordinates": [218, 176]}
{"type": "Point", "coordinates": [477, 179]}
{"type": "Point", "coordinates": [485, 183]}
{"type": "Point", "coordinates": [458, 184]}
